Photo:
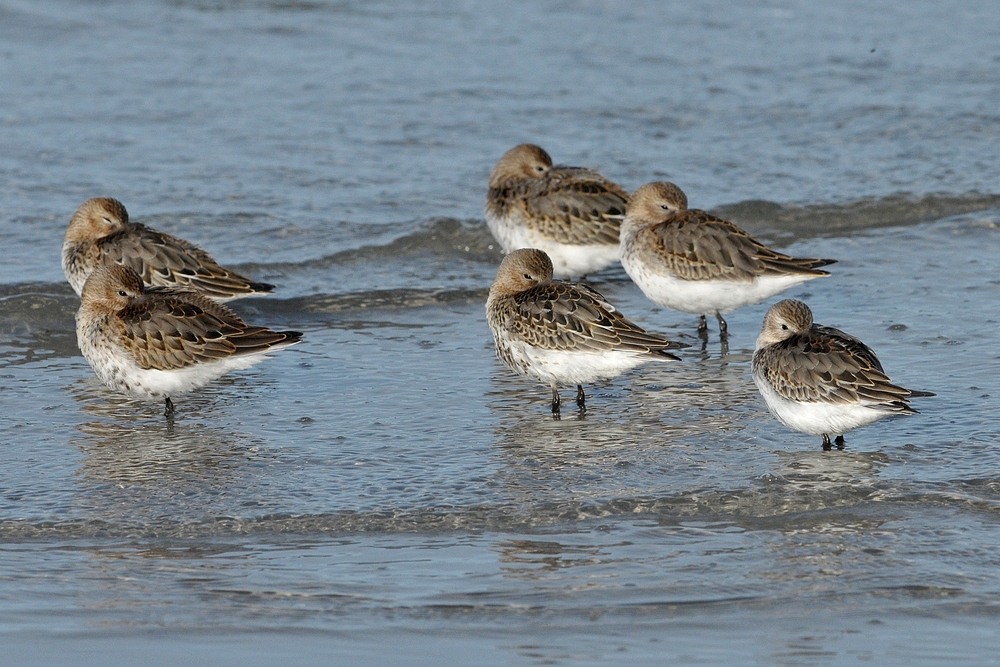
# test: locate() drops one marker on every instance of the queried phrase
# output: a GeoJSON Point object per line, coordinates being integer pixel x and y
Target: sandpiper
{"type": "Point", "coordinates": [99, 234]}
{"type": "Point", "coordinates": [694, 262]}
{"type": "Point", "coordinates": [571, 213]}
{"type": "Point", "coordinates": [820, 380]}
{"type": "Point", "coordinates": [158, 342]}
{"type": "Point", "coordinates": [561, 333]}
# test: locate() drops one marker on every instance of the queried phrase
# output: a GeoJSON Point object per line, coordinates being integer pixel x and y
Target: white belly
{"type": "Point", "coordinates": [568, 261]}
{"type": "Point", "coordinates": [705, 297]}
{"type": "Point", "coordinates": [569, 368]}
{"type": "Point", "coordinates": [819, 418]}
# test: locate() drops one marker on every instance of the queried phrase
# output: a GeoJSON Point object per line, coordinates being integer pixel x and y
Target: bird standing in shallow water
{"type": "Point", "coordinates": [571, 213]}
{"type": "Point", "coordinates": [819, 380]}
{"type": "Point", "coordinates": [100, 234]}
{"type": "Point", "coordinates": [158, 342]}
{"type": "Point", "coordinates": [561, 333]}
{"type": "Point", "coordinates": [694, 262]}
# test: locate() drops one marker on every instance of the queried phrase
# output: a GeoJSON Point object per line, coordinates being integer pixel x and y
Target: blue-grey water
{"type": "Point", "coordinates": [386, 492]}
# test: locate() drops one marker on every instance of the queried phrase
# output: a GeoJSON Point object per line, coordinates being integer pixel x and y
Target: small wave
{"type": "Point", "coordinates": [470, 240]}
{"type": "Point", "coordinates": [372, 299]}
{"type": "Point", "coordinates": [27, 309]}
{"type": "Point", "coordinates": [754, 508]}
{"type": "Point", "coordinates": [787, 222]}
{"type": "Point", "coordinates": [36, 312]}
{"type": "Point", "coordinates": [437, 237]}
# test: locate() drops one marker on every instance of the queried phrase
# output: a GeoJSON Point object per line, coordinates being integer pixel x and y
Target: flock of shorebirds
{"type": "Point", "coordinates": [152, 323]}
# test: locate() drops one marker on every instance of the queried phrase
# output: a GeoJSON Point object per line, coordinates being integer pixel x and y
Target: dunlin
{"type": "Point", "coordinates": [694, 262]}
{"type": "Point", "coordinates": [561, 333]}
{"type": "Point", "coordinates": [158, 342]}
{"type": "Point", "coordinates": [571, 213]}
{"type": "Point", "coordinates": [100, 234]}
{"type": "Point", "coordinates": [819, 380]}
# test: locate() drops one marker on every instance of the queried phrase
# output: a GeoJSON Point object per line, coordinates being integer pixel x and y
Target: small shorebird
{"type": "Point", "coordinates": [158, 342]}
{"type": "Point", "coordinates": [819, 380]}
{"type": "Point", "coordinates": [696, 263]}
{"type": "Point", "coordinates": [99, 234]}
{"type": "Point", "coordinates": [561, 333]}
{"type": "Point", "coordinates": [571, 213]}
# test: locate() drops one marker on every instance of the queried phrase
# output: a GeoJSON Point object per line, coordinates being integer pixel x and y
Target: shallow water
{"type": "Point", "coordinates": [386, 492]}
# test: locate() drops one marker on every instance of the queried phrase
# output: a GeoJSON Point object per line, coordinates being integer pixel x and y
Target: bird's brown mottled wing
{"type": "Point", "coordinates": [167, 329]}
{"type": "Point", "coordinates": [852, 345]}
{"type": "Point", "coordinates": [825, 365]}
{"type": "Point", "coordinates": [575, 206]}
{"type": "Point", "coordinates": [695, 245]}
{"type": "Point", "coordinates": [164, 260]}
{"type": "Point", "coordinates": [562, 316]}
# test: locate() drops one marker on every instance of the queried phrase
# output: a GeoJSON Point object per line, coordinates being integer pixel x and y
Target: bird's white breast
{"type": "Point", "coordinates": [568, 260]}
{"type": "Point", "coordinates": [700, 297]}
{"type": "Point", "coordinates": [817, 417]}
{"type": "Point", "coordinates": [569, 367]}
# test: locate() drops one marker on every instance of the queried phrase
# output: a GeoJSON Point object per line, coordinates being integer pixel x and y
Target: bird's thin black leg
{"type": "Point", "coordinates": [581, 400]}
{"type": "Point", "coordinates": [555, 401]}
{"type": "Point", "coordinates": [826, 443]}
{"type": "Point", "coordinates": [723, 327]}
{"type": "Point", "coordinates": [723, 334]}
{"type": "Point", "coordinates": [703, 328]}
{"type": "Point", "coordinates": [839, 441]}
{"type": "Point", "coordinates": [168, 412]}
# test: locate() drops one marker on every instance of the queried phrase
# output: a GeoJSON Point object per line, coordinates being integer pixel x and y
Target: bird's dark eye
{"type": "Point", "coordinates": [527, 276]}
{"type": "Point", "coordinates": [539, 168]}
{"type": "Point", "coordinates": [784, 327]}
{"type": "Point", "coordinates": [122, 292]}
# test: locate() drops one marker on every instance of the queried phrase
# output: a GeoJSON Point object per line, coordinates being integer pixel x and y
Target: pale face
{"type": "Point", "coordinates": [654, 202]}
{"type": "Point", "coordinates": [112, 288]}
{"type": "Point", "coordinates": [523, 269]}
{"type": "Point", "coordinates": [520, 162]}
{"type": "Point", "coordinates": [96, 218]}
{"type": "Point", "coordinates": [785, 319]}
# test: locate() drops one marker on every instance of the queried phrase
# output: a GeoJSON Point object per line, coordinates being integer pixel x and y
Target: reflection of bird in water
{"type": "Point", "coordinates": [851, 473]}
{"type": "Point", "coordinates": [165, 479]}
{"type": "Point", "coordinates": [518, 555]}
{"type": "Point", "coordinates": [175, 458]}
{"type": "Point", "coordinates": [155, 342]}
{"type": "Point", "coordinates": [99, 234]}
{"type": "Point", "coordinates": [819, 380]}
{"type": "Point", "coordinates": [706, 401]}
{"type": "Point", "coordinates": [137, 469]}
{"type": "Point", "coordinates": [555, 439]}
{"type": "Point", "coordinates": [561, 333]}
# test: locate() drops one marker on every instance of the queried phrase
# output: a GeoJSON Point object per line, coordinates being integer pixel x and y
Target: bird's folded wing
{"type": "Point", "coordinates": [164, 260]}
{"type": "Point", "coordinates": [576, 207]}
{"type": "Point", "coordinates": [820, 367]}
{"type": "Point", "coordinates": [695, 245]}
{"type": "Point", "coordinates": [561, 316]}
{"type": "Point", "coordinates": [169, 329]}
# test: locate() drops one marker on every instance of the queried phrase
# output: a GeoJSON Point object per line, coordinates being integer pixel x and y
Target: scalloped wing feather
{"type": "Point", "coordinates": [574, 206]}
{"type": "Point", "coordinates": [561, 316]}
{"type": "Point", "coordinates": [825, 365]}
{"type": "Point", "coordinates": [169, 329]}
{"type": "Point", "coordinates": [696, 245]}
{"type": "Point", "coordinates": [164, 260]}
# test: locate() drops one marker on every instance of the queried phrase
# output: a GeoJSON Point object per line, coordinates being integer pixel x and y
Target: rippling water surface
{"type": "Point", "coordinates": [386, 492]}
